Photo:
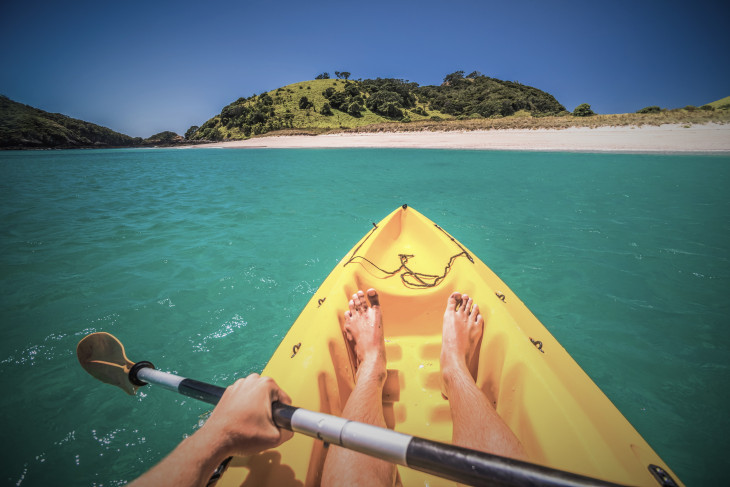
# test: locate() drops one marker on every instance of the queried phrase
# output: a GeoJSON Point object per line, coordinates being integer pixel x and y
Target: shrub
{"type": "Point", "coordinates": [354, 109]}
{"type": "Point", "coordinates": [709, 108]}
{"type": "Point", "coordinates": [338, 101]}
{"type": "Point", "coordinates": [420, 111]}
{"type": "Point", "coordinates": [690, 108]}
{"type": "Point", "coordinates": [304, 103]}
{"type": "Point", "coordinates": [352, 90]}
{"type": "Point", "coordinates": [651, 109]}
{"type": "Point", "coordinates": [324, 75]}
{"type": "Point", "coordinates": [326, 110]}
{"type": "Point", "coordinates": [583, 110]}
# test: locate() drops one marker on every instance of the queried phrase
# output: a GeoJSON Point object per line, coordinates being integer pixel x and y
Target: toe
{"type": "Point", "coordinates": [466, 303]}
{"type": "Point", "coordinates": [453, 301]}
{"type": "Point", "coordinates": [474, 312]}
{"type": "Point", "coordinates": [362, 302]}
{"type": "Point", "coordinates": [373, 297]}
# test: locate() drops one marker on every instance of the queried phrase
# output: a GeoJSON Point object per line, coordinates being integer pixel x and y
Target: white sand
{"type": "Point", "coordinates": [666, 138]}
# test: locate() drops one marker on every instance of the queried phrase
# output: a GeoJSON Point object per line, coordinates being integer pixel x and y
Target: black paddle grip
{"type": "Point", "coordinates": [477, 468]}
{"type": "Point", "coordinates": [282, 414]}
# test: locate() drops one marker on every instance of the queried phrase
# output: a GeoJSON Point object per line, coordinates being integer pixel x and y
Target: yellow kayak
{"type": "Point", "coordinates": [561, 417]}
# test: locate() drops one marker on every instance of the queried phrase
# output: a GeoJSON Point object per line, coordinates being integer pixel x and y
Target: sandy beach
{"type": "Point", "coordinates": [666, 138]}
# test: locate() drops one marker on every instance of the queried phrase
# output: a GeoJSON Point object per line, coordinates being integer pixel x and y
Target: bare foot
{"type": "Point", "coordinates": [364, 332]}
{"type": "Point", "coordinates": [462, 333]}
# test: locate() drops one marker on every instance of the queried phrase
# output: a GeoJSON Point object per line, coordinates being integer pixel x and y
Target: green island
{"type": "Point", "coordinates": [330, 105]}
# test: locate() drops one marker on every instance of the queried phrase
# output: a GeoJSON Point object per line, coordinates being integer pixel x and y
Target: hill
{"type": "Point", "coordinates": [323, 104]}
{"type": "Point", "coordinates": [166, 138]}
{"type": "Point", "coordinates": [724, 102]}
{"type": "Point", "coordinates": [24, 127]}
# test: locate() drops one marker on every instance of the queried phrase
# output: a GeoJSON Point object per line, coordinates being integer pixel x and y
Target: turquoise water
{"type": "Point", "coordinates": [200, 260]}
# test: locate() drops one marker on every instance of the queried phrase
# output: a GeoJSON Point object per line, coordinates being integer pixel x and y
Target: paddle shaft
{"type": "Point", "coordinates": [440, 459]}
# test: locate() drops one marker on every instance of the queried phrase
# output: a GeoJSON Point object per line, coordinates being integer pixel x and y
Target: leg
{"type": "Point", "coordinates": [364, 330]}
{"type": "Point", "coordinates": [476, 423]}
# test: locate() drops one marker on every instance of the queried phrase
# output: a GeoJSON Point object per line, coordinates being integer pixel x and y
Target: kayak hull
{"type": "Point", "coordinates": [561, 417]}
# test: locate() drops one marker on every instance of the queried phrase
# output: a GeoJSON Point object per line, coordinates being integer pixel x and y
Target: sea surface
{"type": "Point", "coordinates": [200, 260]}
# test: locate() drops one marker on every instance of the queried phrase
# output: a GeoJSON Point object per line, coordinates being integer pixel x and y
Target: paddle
{"type": "Point", "coordinates": [103, 356]}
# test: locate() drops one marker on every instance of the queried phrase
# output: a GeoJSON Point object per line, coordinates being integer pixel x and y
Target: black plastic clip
{"type": "Point", "coordinates": [295, 349]}
{"type": "Point", "coordinates": [538, 344]}
{"type": "Point", "coordinates": [662, 476]}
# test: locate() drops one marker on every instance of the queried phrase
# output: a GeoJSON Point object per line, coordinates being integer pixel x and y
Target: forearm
{"type": "Point", "coordinates": [191, 464]}
{"type": "Point", "coordinates": [241, 424]}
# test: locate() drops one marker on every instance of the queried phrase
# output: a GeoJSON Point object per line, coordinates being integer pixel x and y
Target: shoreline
{"type": "Point", "coordinates": [675, 138]}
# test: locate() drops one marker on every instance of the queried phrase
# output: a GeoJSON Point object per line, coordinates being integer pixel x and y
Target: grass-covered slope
{"type": "Point", "coordinates": [23, 127]}
{"type": "Point", "coordinates": [324, 104]}
{"type": "Point", "coordinates": [722, 103]}
{"type": "Point", "coordinates": [300, 106]}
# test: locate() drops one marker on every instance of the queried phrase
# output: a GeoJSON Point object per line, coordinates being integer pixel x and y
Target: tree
{"type": "Point", "coordinates": [342, 74]}
{"type": "Point", "coordinates": [454, 78]}
{"type": "Point", "coordinates": [324, 75]}
{"type": "Point", "coordinates": [387, 103]}
{"type": "Point", "coordinates": [583, 110]}
{"type": "Point", "coordinates": [326, 110]}
{"type": "Point", "coordinates": [191, 131]}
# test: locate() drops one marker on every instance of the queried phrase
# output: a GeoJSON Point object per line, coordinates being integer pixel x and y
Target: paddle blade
{"type": "Point", "coordinates": [102, 356]}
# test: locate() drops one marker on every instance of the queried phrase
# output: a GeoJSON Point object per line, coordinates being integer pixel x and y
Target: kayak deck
{"type": "Point", "coordinates": [561, 417]}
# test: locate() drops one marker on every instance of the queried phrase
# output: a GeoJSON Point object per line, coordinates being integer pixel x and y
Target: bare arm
{"type": "Point", "coordinates": [241, 424]}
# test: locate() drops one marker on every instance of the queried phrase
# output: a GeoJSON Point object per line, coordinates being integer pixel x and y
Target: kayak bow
{"type": "Point", "coordinates": [561, 417]}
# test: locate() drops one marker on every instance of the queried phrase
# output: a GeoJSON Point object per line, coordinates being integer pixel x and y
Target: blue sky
{"type": "Point", "coordinates": [143, 67]}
